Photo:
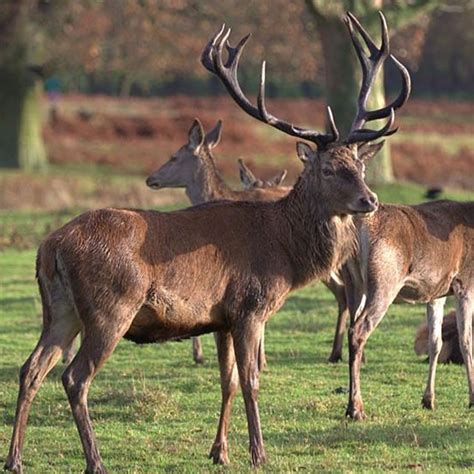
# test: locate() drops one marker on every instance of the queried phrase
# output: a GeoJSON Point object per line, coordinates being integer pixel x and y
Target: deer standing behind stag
{"type": "Point", "coordinates": [221, 267]}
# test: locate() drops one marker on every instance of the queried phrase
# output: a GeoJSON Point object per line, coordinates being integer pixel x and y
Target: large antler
{"type": "Point", "coordinates": [211, 59]}
{"type": "Point", "coordinates": [370, 66]}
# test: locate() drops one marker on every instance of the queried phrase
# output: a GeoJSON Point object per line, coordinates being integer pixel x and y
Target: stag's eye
{"type": "Point", "coordinates": [173, 158]}
{"type": "Point", "coordinates": [327, 172]}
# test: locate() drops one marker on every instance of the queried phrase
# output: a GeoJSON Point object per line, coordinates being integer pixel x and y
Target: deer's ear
{"type": "Point", "coordinates": [247, 178]}
{"type": "Point", "coordinates": [196, 135]}
{"type": "Point", "coordinates": [278, 179]}
{"type": "Point", "coordinates": [213, 138]}
{"type": "Point", "coordinates": [304, 151]}
{"type": "Point", "coordinates": [369, 150]}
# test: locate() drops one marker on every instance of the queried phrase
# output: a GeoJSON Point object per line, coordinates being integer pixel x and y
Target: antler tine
{"type": "Point", "coordinates": [211, 59]}
{"type": "Point", "coordinates": [366, 135]}
{"type": "Point", "coordinates": [370, 66]}
{"type": "Point", "coordinates": [234, 53]}
{"type": "Point", "coordinates": [332, 123]}
{"type": "Point", "coordinates": [385, 46]}
{"type": "Point", "coordinates": [206, 56]}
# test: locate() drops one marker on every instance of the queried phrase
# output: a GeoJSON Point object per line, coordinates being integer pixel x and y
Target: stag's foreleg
{"type": "Point", "coordinates": [247, 336]}
{"type": "Point", "coordinates": [464, 315]}
{"type": "Point", "coordinates": [434, 313]}
{"type": "Point", "coordinates": [342, 317]}
{"type": "Point", "coordinates": [60, 326]}
{"type": "Point", "coordinates": [229, 385]}
{"type": "Point", "coordinates": [198, 355]}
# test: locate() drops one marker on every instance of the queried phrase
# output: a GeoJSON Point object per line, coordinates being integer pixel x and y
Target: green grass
{"type": "Point", "coordinates": [155, 411]}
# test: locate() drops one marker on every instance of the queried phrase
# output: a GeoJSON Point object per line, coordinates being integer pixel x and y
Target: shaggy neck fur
{"type": "Point", "coordinates": [319, 241]}
{"type": "Point", "coordinates": [208, 184]}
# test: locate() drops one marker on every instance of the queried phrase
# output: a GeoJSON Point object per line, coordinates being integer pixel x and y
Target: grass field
{"type": "Point", "coordinates": [155, 411]}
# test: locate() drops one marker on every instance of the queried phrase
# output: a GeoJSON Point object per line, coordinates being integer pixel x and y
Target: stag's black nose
{"type": "Point", "coordinates": [369, 202]}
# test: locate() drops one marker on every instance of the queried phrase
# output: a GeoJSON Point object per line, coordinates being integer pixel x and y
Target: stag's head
{"type": "Point", "coordinates": [184, 165]}
{"type": "Point", "coordinates": [335, 168]}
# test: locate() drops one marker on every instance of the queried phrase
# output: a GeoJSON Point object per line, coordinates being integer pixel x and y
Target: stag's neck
{"type": "Point", "coordinates": [208, 184]}
{"type": "Point", "coordinates": [318, 242]}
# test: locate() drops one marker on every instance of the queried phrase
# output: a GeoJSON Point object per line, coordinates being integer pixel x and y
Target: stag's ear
{"type": "Point", "coordinates": [304, 151]}
{"type": "Point", "coordinates": [278, 179]}
{"type": "Point", "coordinates": [213, 138]}
{"type": "Point", "coordinates": [247, 178]}
{"type": "Point", "coordinates": [369, 150]}
{"type": "Point", "coordinates": [196, 135]}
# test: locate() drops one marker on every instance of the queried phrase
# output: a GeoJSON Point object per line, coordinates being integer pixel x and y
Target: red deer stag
{"type": "Point", "coordinates": [331, 174]}
{"type": "Point", "coordinates": [224, 266]}
{"type": "Point", "coordinates": [193, 167]}
{"type": "Point", "coordinates": [408, 253]}
{"type": "Point", "coordinates": [334, 284]}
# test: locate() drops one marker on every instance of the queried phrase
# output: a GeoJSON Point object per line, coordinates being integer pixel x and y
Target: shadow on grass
{"type": "Point", "coordinates": [355, 435]}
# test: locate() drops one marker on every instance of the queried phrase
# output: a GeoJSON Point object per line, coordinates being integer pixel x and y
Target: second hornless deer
{"type": "Point", "coordinates": [222, 267]}
{"type": "Point", "coordinates": [193, 167]}
{"type": "Point", "coordinates": [415, 254]}
{"type": "Point", "coordinates": [450, 351]}
{"type": "Point", "coordinates": [250, 181]}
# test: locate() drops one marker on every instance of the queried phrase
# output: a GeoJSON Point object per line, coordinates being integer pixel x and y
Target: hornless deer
{"type": "Point", "coordinates": [224, 266]}
{"type": "Point", "coordinates": [250, 181]}
{"type": "Point", "coordinates": [450, 351]}
{"type": "Point", "coordinates": [408, 253]}
{"type": "Point", "coordinates": [193, 167]}
{"type": "Point", "coordinates": [415, 254]}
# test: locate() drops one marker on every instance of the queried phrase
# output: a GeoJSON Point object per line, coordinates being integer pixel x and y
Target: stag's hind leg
{"type": "Point", "coordinates": [102, 333]}
{"type": "Point", "coordinates": [247, 343]}
{"type": "Point", "coordinates": [464, 317]}
{"type": "Point", "coordinates": [60, 326]}
{"type": "Point", "coordinates": [229, 386]}
{"type": "Point", "coordinates": [434, 313]}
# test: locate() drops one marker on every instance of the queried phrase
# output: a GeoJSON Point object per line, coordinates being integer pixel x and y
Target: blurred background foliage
{"type": "Point", "coordinates": [144, 48]}
{"type": "Point", "coordinates": [148, 47]}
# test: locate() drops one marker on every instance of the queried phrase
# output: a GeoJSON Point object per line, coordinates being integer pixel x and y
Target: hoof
{"type": "Point", "coordinates": [219, 455]}
{"type": "Point", "coordinates": [258, 456]}
{"type": "Point", "coordinates": [13, 466]}
{"type": "Point", "coordinates": [96, 470]}
{"type": "Point", "coordinates": [428, 403]}
{"type": "Point", "coordinates": [355, 414]}
{"type": "Point", "coordinates": [471, 404]}
{"type": "Point", "coordinates": [335, 358]}
{"type": "Point", "coordinates": [199, 359]}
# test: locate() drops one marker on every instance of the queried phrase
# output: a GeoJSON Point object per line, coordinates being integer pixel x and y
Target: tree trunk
{"type": "Point", "coordinates": [343, 78]}
{"type": "Point", "coordinates": [342, 84]}
{"type": "Point", "coordinates": [342, 72]}
{"type": "Point", "coordinates": [380, 168]}
{"type": "Point", "coordinates": [21, 142]}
